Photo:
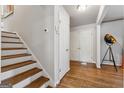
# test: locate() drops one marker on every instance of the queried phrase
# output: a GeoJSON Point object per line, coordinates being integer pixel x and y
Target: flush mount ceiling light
{"type": "Point", "coordinates": [81, 7]}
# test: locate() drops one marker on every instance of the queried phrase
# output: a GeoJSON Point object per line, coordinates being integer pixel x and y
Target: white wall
{"type": "Point", "coordinates": [116, 29]}
{"type": "Point", "coordinates": [123, 43]}
{"type": "Point", "coordinates": [123, 34]}
{"type": "Point", "coordinates": [0, 16]}
{"type": "Point", "coordinates": [30, 22]}
{"type": "Point", "coordinates": [76, 30]}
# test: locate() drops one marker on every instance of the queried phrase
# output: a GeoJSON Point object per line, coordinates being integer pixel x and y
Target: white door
{"type": "Point", "coordinates": [75, 45]}
{"type": "Point", "coordinates": [63, 42]}
{"type": "Point", "coordinates": [86, 46]}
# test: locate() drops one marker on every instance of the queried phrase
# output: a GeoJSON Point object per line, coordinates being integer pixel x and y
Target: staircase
{"type": "Point", "coordinates": [18, 68]}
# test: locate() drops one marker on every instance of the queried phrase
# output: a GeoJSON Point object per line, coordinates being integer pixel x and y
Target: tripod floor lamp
{"type": "Point", "coordinates": [110, 40]}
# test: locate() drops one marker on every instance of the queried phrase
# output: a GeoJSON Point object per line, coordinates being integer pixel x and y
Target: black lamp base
{"type": "Point", "coordinates": [109, 50]}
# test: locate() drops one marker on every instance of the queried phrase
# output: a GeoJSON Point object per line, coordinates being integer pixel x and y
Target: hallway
{"type": "Point", "coordinates": [83, 76]}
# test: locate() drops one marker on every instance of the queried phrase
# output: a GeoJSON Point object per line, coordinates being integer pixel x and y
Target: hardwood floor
{"type": "Point", "coordinates": [88, 76]}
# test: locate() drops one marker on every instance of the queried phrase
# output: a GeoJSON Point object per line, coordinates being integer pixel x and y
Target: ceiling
{"type": "Point", "coordinates": [82, 17]}
{"type": "Point", "coordinates": [89, 16]}
{"type": "Point", "coordinates": [115, 12]}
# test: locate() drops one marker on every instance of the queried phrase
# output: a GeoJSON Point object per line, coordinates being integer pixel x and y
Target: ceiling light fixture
{"type": "Point", "coordinates": [81, 7]}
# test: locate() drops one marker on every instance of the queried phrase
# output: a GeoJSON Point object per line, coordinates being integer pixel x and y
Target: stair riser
{"type": "Point", "coordinates": [12, 52]}
{"type": "Point", "coordinates": [6, 34]}
{"type": "Point", "coordinates": [15, 60]}
{"type": "Point", "coordinates": [45, 85]}
{"type": "Point", "coordinates": [28, 80]}
{"type": "Point", "coordinates": [10, 39]}
{"type": "Point", "coordinates": [9, 45]}
{"type": "Point", "coordinates": [14, 72]}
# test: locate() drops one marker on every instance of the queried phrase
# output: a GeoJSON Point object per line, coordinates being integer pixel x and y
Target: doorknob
{"type": "Point", "coordinates": [79, 48]}
{"type": "Point", "coordinates": [67, 49]}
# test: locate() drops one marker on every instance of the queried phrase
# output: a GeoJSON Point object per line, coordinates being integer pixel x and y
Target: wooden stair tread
{"type": "Point", "coordinates": [21, 48]}
{"type": "Point", "coordinates": [38, 82]}
{"type": "Point", "coordinates": [16, 65]}
{"type": "Point", "coordinates": [11, 37]}
{"type": "Point", "coordinates": [15, 79]}
{"type": "Point", "coordinates": [12, 42]}
{"type": "Point", "coordinates": [8, 32]}
{"type": "Point", "coordinates": [14, 56]}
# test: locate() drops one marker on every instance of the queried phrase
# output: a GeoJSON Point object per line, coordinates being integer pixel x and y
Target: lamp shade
{"type": "Point", "coordinates": [109, 39]}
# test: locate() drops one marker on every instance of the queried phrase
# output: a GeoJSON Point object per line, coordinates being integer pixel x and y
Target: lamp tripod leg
{"type": "Point", "coordinates": [104, 56]}
{"type": "Point", "coordinates": [113, 60]}
{"type": "Point", "coordinates": [110, 56]}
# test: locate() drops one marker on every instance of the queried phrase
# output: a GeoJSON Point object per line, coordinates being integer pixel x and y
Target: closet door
{"type": "Point", "coordinates": [75, 46]}
{"type": "Point", "coordinates": [86, 45]}
{"type": "Point", "coordinates": [64, 32]}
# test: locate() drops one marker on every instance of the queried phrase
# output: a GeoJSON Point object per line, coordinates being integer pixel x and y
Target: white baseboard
{"type": "Point", "coordinates": [110, 63]}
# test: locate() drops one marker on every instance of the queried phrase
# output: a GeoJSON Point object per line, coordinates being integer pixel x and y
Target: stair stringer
{"type": "Point", "coordinates": [44, 72]}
